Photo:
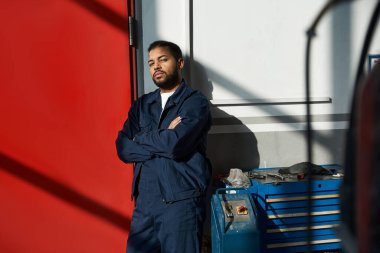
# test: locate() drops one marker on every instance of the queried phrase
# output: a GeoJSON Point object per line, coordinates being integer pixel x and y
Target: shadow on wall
{"type": "Point", "coordinates": [225, 150]}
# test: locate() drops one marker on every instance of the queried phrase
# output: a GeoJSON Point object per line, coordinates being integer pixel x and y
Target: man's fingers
{"type": "Point", "coordinates": [174, 123]}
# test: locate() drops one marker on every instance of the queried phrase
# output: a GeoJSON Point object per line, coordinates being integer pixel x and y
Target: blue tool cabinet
{"type": "Point", "coordinates": [234, 231]}
{"type": "Point", "coordinates": [283, 212]}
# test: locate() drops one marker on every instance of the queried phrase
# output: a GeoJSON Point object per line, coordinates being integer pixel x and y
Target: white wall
{"type": "Point", "coordinates": [256, 50]}
{"type": "Point", "coordinates": [251, 50]}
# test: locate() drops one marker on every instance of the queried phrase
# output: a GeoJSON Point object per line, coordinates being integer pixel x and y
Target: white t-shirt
{"type": "Point", "coordinates": [164, 98]}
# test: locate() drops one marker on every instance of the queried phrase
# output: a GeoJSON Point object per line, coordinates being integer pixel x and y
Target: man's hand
{"type": "Point", "coordinates": [175, 122]}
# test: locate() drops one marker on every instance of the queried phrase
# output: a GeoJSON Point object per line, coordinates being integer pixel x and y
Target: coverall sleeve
{"type": "Point", "coordinates": [128, 150]}
{"type": "Point", "coordinates": [185, 138]}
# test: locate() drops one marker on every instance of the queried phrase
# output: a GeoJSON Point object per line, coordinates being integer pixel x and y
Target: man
{"type": "Point", "coordinates": [165, 137]}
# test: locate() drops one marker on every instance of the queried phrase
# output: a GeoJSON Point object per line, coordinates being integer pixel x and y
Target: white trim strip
{"type": "Point", "coordinates": [276, 127]}
{"type": "Point", "coordinates": [242, 101]}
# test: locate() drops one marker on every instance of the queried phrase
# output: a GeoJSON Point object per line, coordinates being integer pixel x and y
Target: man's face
{"type": "Point", "coordinates": [164, 68]}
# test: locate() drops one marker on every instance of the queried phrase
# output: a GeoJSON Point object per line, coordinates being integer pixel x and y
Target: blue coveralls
{"type": "Point", "coordinates": [171, 171]}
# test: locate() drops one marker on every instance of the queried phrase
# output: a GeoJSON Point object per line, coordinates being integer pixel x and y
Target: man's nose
{"type": "Point", "coordinates": [157, 66]}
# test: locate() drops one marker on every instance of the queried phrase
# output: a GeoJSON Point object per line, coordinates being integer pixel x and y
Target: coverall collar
{"type": "Point", "coordinates": [176, 97]}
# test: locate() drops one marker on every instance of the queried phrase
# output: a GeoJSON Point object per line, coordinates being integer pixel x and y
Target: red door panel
{"type": "Point", "coordinates": [65, 89]}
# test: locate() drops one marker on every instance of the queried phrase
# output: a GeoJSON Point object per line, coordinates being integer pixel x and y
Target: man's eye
{"type": "Point", "coordinates": [163, 59]}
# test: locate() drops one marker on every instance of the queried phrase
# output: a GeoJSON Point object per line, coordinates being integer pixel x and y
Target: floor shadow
{"type": "Point", "coordinates": [63, 192]}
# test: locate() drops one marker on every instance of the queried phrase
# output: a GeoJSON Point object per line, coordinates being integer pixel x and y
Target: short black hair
{"type": "Point", "coordinates": [173, 48]}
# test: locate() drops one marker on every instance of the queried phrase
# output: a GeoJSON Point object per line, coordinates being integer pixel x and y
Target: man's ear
{"type": "Point", "coordinates": [180, 63]}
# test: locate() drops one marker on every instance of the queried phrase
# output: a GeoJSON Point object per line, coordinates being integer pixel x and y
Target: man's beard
{"type": "Point", "coordinates": [169, 82]}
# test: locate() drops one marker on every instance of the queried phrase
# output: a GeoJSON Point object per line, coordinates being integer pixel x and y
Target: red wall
{"type": "Point", "coordinates": [65, 91]}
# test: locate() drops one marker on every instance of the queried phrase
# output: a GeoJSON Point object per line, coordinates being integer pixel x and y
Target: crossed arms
{"type": "Point", "coordinates": [181, 138]}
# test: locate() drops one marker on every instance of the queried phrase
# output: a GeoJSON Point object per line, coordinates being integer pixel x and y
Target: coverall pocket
{"type": "Point", "coordinates": [181, 216]}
